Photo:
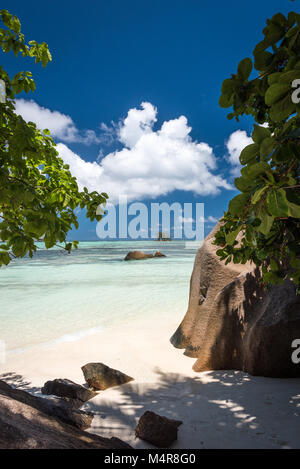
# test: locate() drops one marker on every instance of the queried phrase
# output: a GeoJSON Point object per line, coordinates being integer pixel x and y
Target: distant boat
{"type": "Point", "coordinates": [163, 237]}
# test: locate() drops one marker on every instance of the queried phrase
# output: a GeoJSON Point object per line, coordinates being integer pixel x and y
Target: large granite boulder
{"type": "Point", "coordinates": [100, 376]}
{"type": "Point", "coordinates": [157, 430]}
{"type": "Point", "coordinates": [233, 323]}
{"type": "Point", "coordinates": [26, 426]}
{"type": "Point", "coordinates": [68, 389]}
{"type": "Point", "coordinates": [58, 408]}
{"type": "Point", "coordinates": [139, 255]}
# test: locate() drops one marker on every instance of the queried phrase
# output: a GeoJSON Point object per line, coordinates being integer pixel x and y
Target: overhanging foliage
{"type": "Point", "coordinates": [38, 194]}
{"type": "Point", "coordinates": [266, 214]}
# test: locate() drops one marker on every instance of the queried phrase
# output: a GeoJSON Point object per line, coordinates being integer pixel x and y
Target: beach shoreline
{"type": "Point", "coordinates": [219, 409]}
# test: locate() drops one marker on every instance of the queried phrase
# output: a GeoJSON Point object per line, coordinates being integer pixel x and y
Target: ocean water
{"type": "Point", "coordinates": [61, 297]}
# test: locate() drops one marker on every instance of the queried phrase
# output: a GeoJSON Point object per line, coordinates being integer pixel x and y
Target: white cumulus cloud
{"type": "Point", "coordinates": [237, 141]}
{"type": "Point", "coordinates": [209, 219]}
{"type": "Point", "coordinates": [152, 162]}
{"type": "Point", "coordinates": [60, 125]}
{"type": "Point", "coordinates": [137, 123]}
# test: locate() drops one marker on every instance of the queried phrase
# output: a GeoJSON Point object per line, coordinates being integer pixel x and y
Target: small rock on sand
{"type": "Point", "coordinates": [157, 430]}
{"type": "Point", "coordinates": [67, 388]}
{"type": "Point", "coordinates": [100, 376]}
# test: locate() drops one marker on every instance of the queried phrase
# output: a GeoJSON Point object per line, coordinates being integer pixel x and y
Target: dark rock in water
{"type": "Point", "coordinates": [69, 389]}
{"type": "Point", "coordinates": [157, 430]}
{"type": "Point", "coordinates": [159, 254]}
{"type": "Point", "coordinates": [100, 376]}
{"type": "Point", "coordinates": [25, 426]}
{"type": "Point", "coordinates": [139, 255]}
{"type": "Point", "coordinates": [53, 407]}
{"type": "Point", "coordinates": [232, 323]}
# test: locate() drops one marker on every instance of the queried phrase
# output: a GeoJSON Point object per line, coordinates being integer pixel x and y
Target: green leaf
{"type": "Point", "coordinates": [277, 203]}
{"type": "Point", "coordinates": [262, 59]}
{"type": "Point", "coordinates": [231, 236]}
{"type": "Point", "coordinates": [237, 204]}
{"type": "Point", "coordinates": [19, 247]}
{"type": "Point", "coordinates": [267, 147]}
{"type": "Point", "coordinates": [225, 101]}
{"type": "Point", "coordinates": [255, 170]}
{"type": "Point", "coordinates": [294, 209]}
{"type": "Point", "coordinates": [266, 223]}
{"type": "Point", "coordinates": [228, 87]}
{"type": "Point", "coordinates": [276, 92]}
{"type": "Point", "coordinates": [258, 194]}
{"type": "Point", "coordinates": [282, 109]}
{"type": "Point", "coordinates": [249, 153]}
{"type": "Point", "coordinates": [274, 77]}
{"type": "Point", "coordinates": [35, 229]}
{"type": "Point", "coordinates": [260, 133]}
{"type": "Point", "coordinates": [242, 184]}
{"type": "Point", "coordinates": [4, 258]}
{"type": "Point", "coordinates": [245, 68]}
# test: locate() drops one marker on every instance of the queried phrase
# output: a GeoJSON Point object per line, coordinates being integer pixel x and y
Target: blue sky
{"type": "Point", "coordinates": [111, 56]}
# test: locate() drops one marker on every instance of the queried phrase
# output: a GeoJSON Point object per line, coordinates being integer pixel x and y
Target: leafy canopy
{"type": "Point", "coordinates": [266, 213]}
{"type": "Point", "coordinates": [38, 194]}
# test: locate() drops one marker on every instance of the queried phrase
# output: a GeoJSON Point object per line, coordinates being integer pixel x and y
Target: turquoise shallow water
{"type": "Point", "coordinates": [57, 297]}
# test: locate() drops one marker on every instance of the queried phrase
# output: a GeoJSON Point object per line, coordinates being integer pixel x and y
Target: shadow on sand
{"type": "Point", "coordinates": [19, 382]}
{"type": "Point", "coordinates": [219, 409]}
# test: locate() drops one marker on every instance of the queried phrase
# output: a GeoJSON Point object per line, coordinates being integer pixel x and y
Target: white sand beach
{"type": "Point", "coordinates": [219, 409]}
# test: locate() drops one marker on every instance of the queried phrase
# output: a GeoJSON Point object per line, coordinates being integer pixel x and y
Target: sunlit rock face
{"type": "Point", "coordinates": [233, 323]}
